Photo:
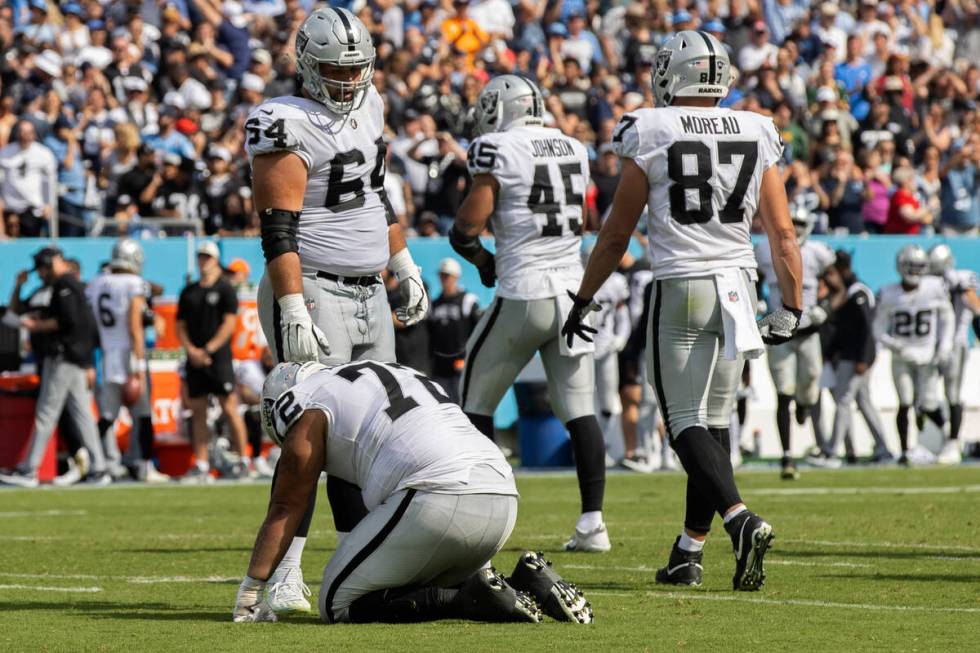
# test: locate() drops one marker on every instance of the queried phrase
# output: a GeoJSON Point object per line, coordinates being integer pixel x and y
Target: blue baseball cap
{"type": "Point", "coordinates": [72, 8]}
{"type": "Point", "coordinates": [95, 25]}
{"type": "Point", "coordinates": [40, 5]}
{"type": "Point", "coordinates": [681, 17]}
{"type": "Point", "coordinates": [714, 25]}
{"type": "Point", "coordinates": [557, 29]}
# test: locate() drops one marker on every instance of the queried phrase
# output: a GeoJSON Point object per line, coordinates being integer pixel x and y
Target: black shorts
{"type": "Point", "coordinates": [218, 378]}
{"type": "Point", "coordinates": [629, 367]}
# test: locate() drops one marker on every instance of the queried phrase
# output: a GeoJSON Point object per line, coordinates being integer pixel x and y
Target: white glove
{"type": "Point", "coordinates": [813, 317]}
{"type": "Point", "coordinates": [250, 604]}
{"type": "Point", "coordinates": [301, 339]}
{"type": "Point", "coordinates": [780, 325]}
{"type": "Point", "coordinates": [415, 302]}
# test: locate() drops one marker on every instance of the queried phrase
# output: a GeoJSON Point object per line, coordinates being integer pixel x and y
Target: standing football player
{"type": "Point", "coordinates": [962, 288]}
{"type": "Point", "coordinates": [118, 300]}
{"type": "Point", "coordinates": [704, 172]}
{"type": "Point", "coordinates": [529, 182]}
{"type": "Point", "coordinates": [796, 365]}
{"type": "Point", "coordinates": [914, 320]}
{"type": "Point", "coordinates": [328, 231]}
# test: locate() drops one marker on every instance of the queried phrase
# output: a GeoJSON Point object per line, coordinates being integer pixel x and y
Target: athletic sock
{"type": "Point", "coordinates": [735, 513]}
{"type": "Point", "coordinates": [294, 554]}
{"type": "Point", "coordinates": [936, 417]}
{"type": "Point", "coordinates": [203, 466]}
{"type": "Point", "coordinates": [782, 422]}
{"type": "Point", "coordinates": [589, 521]}
{"type": "Point", "coordinates": [688, 543]}
{"type": "Point", "coordinates": [902, 422]}
{"type": "Point", "coordinates": [955, 420]}
{"type": "Point", "coordinates": [483, 424]}
{"type": "Point", "coordinates": [708, 466]}
{"type": "Point", "coordinates": [589, 450]}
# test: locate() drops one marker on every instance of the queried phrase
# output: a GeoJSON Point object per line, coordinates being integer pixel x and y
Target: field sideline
{"type": "Point", "coordinates": [864, 559]}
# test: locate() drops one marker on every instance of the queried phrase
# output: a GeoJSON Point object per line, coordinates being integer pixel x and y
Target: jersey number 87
{"type": "Point", "coordinates": [700, 179]}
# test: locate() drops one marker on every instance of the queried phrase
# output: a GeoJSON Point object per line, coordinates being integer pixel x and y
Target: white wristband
{"type": "Point", "coordinates": [293, 307]}
{"type": "Point", "coordinates": [401, 264]}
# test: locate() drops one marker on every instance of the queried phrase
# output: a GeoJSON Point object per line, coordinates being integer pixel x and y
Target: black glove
{"type": "Point", "coordinates": [780, 325]}
{"type": "Point", "coordinates": [488, 273]}
{"type": "Point", "coordinates": [575, 322]}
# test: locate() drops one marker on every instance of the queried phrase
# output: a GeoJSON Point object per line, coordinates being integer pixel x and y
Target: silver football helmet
{"type": "Point", "coordinates": [941, 259]}
{"type": "Point", "coordinates": [912, 263]}
{"type": "Point", "coordinates": [803, 220]}
{"type": "Point", "coordinates": [335, 37]}
{"type": "Point", "coordinates": [127, 254]}
{"type": "Point", "coordinates": [278, 413]}
{"type": "Point", "coordinates": [508, 100]}
{"type": "Point", "coordinates": [691, 64]}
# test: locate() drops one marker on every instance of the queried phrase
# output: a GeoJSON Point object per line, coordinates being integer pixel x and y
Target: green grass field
{"type": "Point", "coordinates": [864, 560]}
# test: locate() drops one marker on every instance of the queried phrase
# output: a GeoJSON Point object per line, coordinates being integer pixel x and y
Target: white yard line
{"type": "Point", "coordinates": [702, 596]}
{"type": "Point", "coordinates": [41, 588]}
{"type": "Point", "coordinates": [137, 580]}
{"type": "Point", "coordinates": [43, 513]}
{"type": "Point", "coordinates": [769, 561]}
{"type": "Point", "coordinates": [887, 545]}
{"type": "Point", "coordinates": [819, 491]}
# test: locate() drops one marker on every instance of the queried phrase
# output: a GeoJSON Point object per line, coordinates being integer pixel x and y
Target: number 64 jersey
{"type": "Point", "coordinates": [344, 225]}
{"type": "Point", "coordinates": [537, 225]}
{"type": "Point", "coordinates": [704, 167]}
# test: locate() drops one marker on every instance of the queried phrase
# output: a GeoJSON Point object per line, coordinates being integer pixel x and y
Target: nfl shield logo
{"type": "Point", "coordinates": [732, 296]}
{"type": "Point", "coordinates": [310, 304]}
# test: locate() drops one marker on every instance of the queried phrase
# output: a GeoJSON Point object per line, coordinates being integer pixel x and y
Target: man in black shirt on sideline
{"type": "Point", "coordinates": [452, 318]}
{"type": "Point", "coordinates": [205, 323]}
{"type": "Point", "coordinates": [852, 351]}
{"type": "Point", "coordinates": [70, 326]}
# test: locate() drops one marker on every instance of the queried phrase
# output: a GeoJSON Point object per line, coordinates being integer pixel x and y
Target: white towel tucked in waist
{"type": "Point", "coordinates": [738, 315]}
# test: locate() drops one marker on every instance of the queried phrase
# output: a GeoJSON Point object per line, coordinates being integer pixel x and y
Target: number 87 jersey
{"type": "Point", "coordinates": [704, 167]}
{"type": "Point", "coordinates": [343, 228]}
{"type": "Point", "coordinates": [537, 225]}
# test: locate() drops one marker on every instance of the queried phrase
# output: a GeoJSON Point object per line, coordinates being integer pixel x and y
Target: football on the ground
{"type": "Point", "coordinates": [131, 390]}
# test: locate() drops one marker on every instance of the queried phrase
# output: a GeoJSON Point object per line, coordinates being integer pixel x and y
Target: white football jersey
{"type": "Point", "coordinates": [958, 282]}
{"type": "Point", "coordinates": [704, 167]}
{"type": "Point", "coordinates": [537, 225]}
{"type": "Point", "coordinates": [613, 319]}
{"type": "Point", "coordinates": [817, 257]}
{"type": "Point", "coordinates": [110, 296]}
{"type": "Point", "coordinates": [920, 320]}
{"type": "Point", "coordinates": [343, 228]}
{"type": "Point", "coordinates": [391, 428]}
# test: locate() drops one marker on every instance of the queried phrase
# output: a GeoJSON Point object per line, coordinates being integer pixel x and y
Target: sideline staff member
{"type": "Point", "coordinates": [206, 314]}
{"type": "Point", "coordinates": [64, 381]}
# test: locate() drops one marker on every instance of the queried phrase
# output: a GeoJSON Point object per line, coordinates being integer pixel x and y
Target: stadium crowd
{"type": "Point", "coordinates": [126, 116]}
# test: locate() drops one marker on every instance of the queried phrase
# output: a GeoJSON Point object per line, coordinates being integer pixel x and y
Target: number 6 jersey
{"type": "Point", "coordinates": [537, 224]}
{"type": "Point", "coordinates": [704, 167]}
{"type": "Point", "coordinates": [344, 225]}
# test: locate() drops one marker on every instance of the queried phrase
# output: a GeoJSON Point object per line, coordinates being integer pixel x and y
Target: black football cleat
{"type": "Point", "coordinates": [486, 596]}
{"type": "Point", "coordinates": [788, 471]}
{"type": "Point", "coordinates": [751, 536]}
{"type": "Point", "coordinates": [558, 598]}
{"type": "Point", "coordinates": [683, 567]}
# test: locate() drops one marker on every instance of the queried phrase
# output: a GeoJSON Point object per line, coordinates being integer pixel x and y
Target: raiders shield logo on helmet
{"type": "Point", "coordinates": [663, 60]}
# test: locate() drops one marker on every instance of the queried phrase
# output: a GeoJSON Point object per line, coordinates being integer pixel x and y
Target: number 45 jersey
{"type": "Point", "coordinates": [390, 427]}
{"type": "Point", "coordinates": [537, 224]}
{"type": "Point", "coordinates": [344, 225]}
{"type": "Point", "coordinates": [704, 167]}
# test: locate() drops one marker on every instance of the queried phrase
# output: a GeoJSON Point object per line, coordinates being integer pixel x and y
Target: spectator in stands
{"type": "Point", "coordinates": [843, 182]}
{"type": "Point", "coordinates": [758, 51]}
{"type": "Point", "coordinates": [877, 188]}
{"type": "Point", "coordinates": [206, 314]}
{"type": "Point", "coordinates": [73, 215]}
{"type": "Point", "coordinates": [451, 319]}
{"type": "Point", "coordinates": [905, 213]}
{"type": "Point", "coordinates": [141, 182]}
{"type": "Point", "coordinates": [65, 380]}
{"type": "Point", "coordinates": [462, 33]}
{"type": "Point", "coordinates": [28, 183]}
{"type": "Point", "coordinates": [960, 212]}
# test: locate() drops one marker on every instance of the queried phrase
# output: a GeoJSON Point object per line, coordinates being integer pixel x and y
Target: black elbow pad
{"type": "Point", "coordinates": [466, 246]}
{"type": "Point", "coordinates": [279, 229]}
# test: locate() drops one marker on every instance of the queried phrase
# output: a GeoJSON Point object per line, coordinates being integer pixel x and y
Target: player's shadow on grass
{"type": "Point", "coordinates": [111, 610]}
{"type": "Point", "coordinates": [898, 555]}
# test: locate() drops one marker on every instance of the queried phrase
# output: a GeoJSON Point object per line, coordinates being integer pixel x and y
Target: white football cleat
{"type": "Point", "coordinates": [286, 592]}
{"type": "Point", "coordinates": [595, 541]}
{"type": "Point", "coordinates": [950, 454]}
{"type": "Point", "coordinates": [148, 473]}
{"type": "Point", "coordinates": [262, 467]}
{"type": "Point", "coordinates": [71, 476]}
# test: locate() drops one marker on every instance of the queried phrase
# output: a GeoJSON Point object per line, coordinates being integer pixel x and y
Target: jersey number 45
{"type": "Point", "coordinates": [700, 179]}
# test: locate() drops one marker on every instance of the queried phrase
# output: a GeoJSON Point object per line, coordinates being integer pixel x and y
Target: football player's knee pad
{"type": "Point", "coordinates": [279, 229]}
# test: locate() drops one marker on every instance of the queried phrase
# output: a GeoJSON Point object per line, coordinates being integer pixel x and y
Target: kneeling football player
{"type": "Point", "coordinates": [441, 502]}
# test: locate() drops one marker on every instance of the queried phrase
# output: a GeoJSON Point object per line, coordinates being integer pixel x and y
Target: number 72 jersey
{"type": "Point", "coordinates": [343, 228]}
{"type": "Point", "coordinates": [704, 167]}
{"type": "Point", "coordinates": [537, 224]}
